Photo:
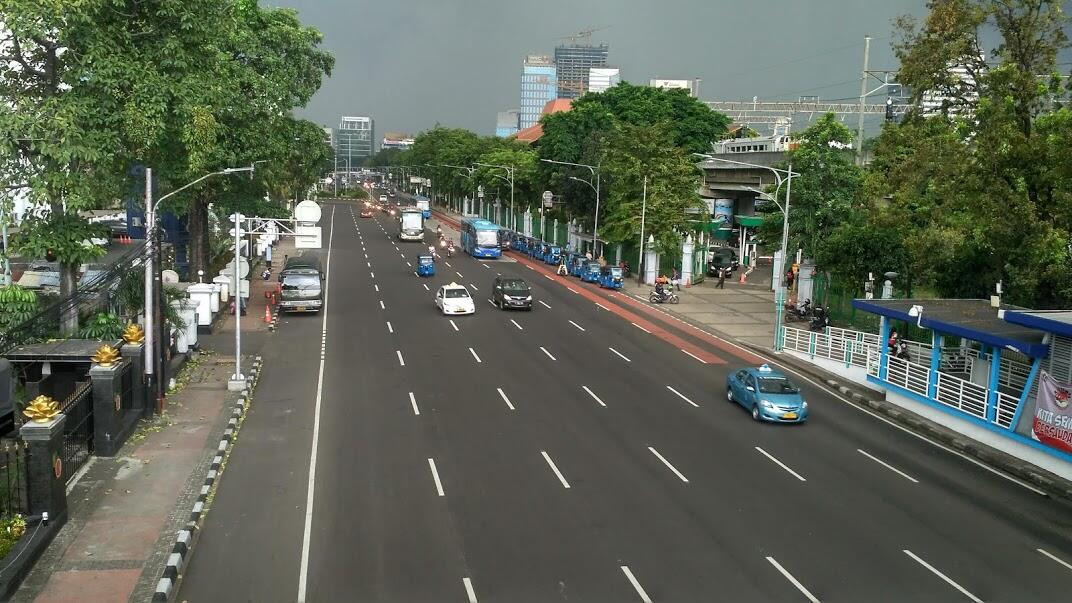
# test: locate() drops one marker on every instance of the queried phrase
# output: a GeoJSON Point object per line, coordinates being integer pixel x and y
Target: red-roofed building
{"type": "Point", "coordinates": [533, 133]}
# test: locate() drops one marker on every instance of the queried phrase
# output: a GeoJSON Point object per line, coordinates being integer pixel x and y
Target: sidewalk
{"type": "Point", "coordinates": [125, 511]}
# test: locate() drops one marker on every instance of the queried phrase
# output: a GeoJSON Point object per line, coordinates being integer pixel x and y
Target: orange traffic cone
{"type": "Point", "coordinates": [688, 283]}
{"type": "Point", "coordinates": [267, 315]}
{"type": "Point", "coordinates": [744, 275]}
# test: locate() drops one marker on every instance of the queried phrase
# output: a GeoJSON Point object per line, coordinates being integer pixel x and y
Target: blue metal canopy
{"type": "Point", "coordinates": [973, 319]}
{"type": "Point", "coordinates": [1053, 321]}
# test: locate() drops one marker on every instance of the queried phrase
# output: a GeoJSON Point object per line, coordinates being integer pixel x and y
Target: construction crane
{"type": "Point", "coordinates": [584, 34]}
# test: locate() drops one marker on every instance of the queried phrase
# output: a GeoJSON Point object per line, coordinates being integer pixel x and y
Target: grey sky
{"type": "Point", "coordinates": [412, 63]}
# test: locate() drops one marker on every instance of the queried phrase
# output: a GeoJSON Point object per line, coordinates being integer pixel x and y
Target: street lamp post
{"type": "Point", "coordinates": [468, 170]}
{"type": "Point", "coordinates": [152, 357]}
{"type": "Point", "coordinates": [510, 172]}
{"type": "Point", "coordinates": [787, 179]}
{"type": "Point", "coordinates": [594, 169]}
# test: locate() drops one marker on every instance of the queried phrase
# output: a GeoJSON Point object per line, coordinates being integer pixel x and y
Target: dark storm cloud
{"type": "Point", "coordinates": [413, 63]}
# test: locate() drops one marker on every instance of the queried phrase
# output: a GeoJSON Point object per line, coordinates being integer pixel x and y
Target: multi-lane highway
{"type": "Point", "coordinates": [583, 451]}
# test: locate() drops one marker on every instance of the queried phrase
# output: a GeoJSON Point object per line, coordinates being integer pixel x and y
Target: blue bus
{"type": "Point", "coordinates": [424, 204]}
{"type": "Point", "coordinates": [480, 238]}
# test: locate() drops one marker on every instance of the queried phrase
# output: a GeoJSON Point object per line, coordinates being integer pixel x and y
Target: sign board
{"type": "Point", "coordinates": [480, 192]}
{"type": "Point", "coordinates": [243, 288]}
{"type": "Point", "coordinates": [308, 237]}
{"type": "Point", "coordinates": [243, 268]}
{"type": "Point", "coordinates": [416, 180]}
{"type": "Point", "coordinates": [307, 211]}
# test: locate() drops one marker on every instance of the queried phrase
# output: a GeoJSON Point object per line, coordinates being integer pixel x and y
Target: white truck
{"type": "Point", "coordinates": [411, 225]}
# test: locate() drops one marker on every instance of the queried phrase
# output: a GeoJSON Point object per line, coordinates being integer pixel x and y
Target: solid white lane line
{"type": "Point", "coordinates": [453, 325]}
{"type": "Point", "coordinates": [435, 476]}
{"type": "Point", "coordinates": [636, 585]}
{"type": "Point", "coordinates": [947, 579]}
{"type": "Point", "coordinates": [376, 287]}
{"type": "Point", "coordinates": [548, 353]}
{"type": "Point", "coordinates": [545, 304]}
{"type": "Point", "coordinates": [548, 277]}
{"type": "Point", "coordinates": [469, 590]}
{"type": "Point", "coordinates": [641, 328]}
{"type": "Point", "coordinates": [382, 307]}
{"type": "Point", "coordinates": [890, 467]}
{"type": "Point", "coordinates": [516, 325]}
{"type": "Point", "coordinates": [780, 464]}
{"type": "Point", "coordinates": [682, 396]}
{"type": "Point", "coordinates": [1061, 561]}
{"type": "Point", "coordinates": [602, 306]}
{"type": "Point", "coordinates": [620, 355]}
{"type": "Point", "coordinates": [303, 571]}
{"type": "Point", "coordinates": [792, 580]}
{"type": "Point", "coordinates": [669, 466]}
{"type": "Point", "coordinates": [473, 352]}
{"type": "Point", "coordinates": [413, 401]}
{"type": "Point", "coordinates": [425, 286]}
{"type": "Point", "coordinates": [594, 397]}
{"type": "Point", "coordinates": [558, 473]}
{"type": "Point", "coordinates": [390, 329]}
{"type": "Point", "coordinates": [576, 325]}
{"type": "Point", "coordinates": [401, 362]}
{"type": "Point", "coordinates": [505, 399]}
{"type": "Point", "coordinates": [694, 356]}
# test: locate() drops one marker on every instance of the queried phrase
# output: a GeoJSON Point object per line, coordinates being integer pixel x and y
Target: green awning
{"type": "Point", "coordinates": [749, 221]}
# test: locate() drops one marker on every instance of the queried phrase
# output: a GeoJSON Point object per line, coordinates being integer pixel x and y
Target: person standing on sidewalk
{"type": "Point", "coordinates": [721, 279]}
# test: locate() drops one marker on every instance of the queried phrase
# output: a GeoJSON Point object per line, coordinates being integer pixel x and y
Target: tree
{"type": "Point", "coordinates": [523, 160]}
{"type": "Point", "coordinates": [826, 193]}
{"type": "Point", "coordinates": [630, 154]}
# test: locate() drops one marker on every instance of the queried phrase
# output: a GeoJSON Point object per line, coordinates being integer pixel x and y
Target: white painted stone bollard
{"type": "Point", "coordinates": [651, 261]}
{"type": "Point", "coordinates": [224, 282]}
{"type": "Point", "coordinates": [687, 249]}
{"type": "Point", "coordinates": [200, 294]}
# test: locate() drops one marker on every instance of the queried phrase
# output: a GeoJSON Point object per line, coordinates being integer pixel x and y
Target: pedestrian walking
{"type": "Point", "coordinates": [562, 270]}
{"type": "Point", "coordinates": [721, 278]}
{"type": "Point", "coordinates": [789, 277]}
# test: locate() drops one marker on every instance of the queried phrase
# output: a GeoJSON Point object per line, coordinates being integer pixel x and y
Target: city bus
{"type": "Point", "coordinates": [480, 238]}
{"type": "Point", "coordinates": [411, 225]}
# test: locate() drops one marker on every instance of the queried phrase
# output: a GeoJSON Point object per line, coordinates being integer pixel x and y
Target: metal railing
{"type": "Point", "coordinates": [1006, 410]}
{"type": "Point", "coordinates": [963, 395]}
{"type": "Point", "coordinates": [840, 345]}
{"type": "Point", "coordinates": [14, 490]}
{"type": "Point", "coordinates": [909, 376]}
{"type": "Point", "coordinates": [78, 430]}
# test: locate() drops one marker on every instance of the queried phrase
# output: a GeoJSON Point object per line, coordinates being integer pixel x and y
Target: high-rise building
{"type": "Point", "coordinates": [507, 123]}
{"type": "Point", "coordinates": [329, 137]}
{"type": "Point", "coordinates": [396, 140]}
{"type": "Point", "coordinates": [956, 99]}
{"type": "Point", "coordinates": [574, 62]}
{"type": "Point", "coordinates": [539, 84]}
{"type": "Point", "coordinates": [601, 78]}
{"type": "Point", "coordinates": [354, 141]}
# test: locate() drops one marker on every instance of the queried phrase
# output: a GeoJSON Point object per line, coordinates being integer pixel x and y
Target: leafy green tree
{"type": "Point", "coordinates": [826, 193]}
{"type": "Point", "coordinates": [523, 159]}
{"type": "Point", "coordinates": [631, 153]}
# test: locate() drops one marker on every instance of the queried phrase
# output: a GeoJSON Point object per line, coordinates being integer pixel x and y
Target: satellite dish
{"type": "Point", "coordinates": [169, 276]}
{"type": "Point", "coordinates": [307, 211]}
{"type": "Point", "coordinates": [243, 268]}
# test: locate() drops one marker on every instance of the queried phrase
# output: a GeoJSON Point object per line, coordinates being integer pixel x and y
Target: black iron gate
{"type": "Point", "coordinates": [78, 430]}
{"type": "Point", "coordinates": [14, 496]}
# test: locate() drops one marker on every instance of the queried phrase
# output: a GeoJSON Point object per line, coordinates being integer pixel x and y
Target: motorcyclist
{"type": "Point", "coordinates": [450, 247]}
{"type": "Point", "coordinates": [439, 231]}
{"type": "Point", "coordinates": [660, 286]}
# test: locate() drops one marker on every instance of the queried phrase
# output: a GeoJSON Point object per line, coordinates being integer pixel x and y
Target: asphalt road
{"type": "Point", "coordinates": [576, 453]}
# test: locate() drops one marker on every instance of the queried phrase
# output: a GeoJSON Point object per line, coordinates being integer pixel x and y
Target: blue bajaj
{"type": "Point", "coordinates": [591, 272]}
{"type": "Point", "coordinates": [611, 277]}
{"type": "Point", "coordinates": [425, 265]}
{"type": "Point", "coordinates": [577, 264]}
{"type": "Point", "coordinates": [553, 255]}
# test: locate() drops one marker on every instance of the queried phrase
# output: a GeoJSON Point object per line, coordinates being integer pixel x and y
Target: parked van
{"type": "Point", "coordinates": [301, 285]}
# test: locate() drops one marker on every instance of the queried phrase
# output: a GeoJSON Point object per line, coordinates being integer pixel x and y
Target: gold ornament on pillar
{"type": "Point", "coordinates": [42, 409]}
{"type": "Point", "coordinates": [133, 334]}
{"type": "Point", "coordinates": [106, 356]}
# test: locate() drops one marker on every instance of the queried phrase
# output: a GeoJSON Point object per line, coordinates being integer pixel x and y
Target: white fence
{"type": "Point", "coordinates": [863, 350]}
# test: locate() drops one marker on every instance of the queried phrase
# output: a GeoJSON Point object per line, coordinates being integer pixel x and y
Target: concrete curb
{"type": "Point", "coordinates": [186, 539]}
{"type": "Point", "coordinates": [1052, 484]}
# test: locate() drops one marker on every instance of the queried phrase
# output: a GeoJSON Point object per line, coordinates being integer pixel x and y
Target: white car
{"type": "Point", "coordinates": [454, 299]}
{"type": "Point", "coordinates": [383, 198]}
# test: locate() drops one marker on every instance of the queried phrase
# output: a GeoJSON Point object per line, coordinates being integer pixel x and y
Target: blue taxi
{"type": "Point", "coordinates": [768, 394]}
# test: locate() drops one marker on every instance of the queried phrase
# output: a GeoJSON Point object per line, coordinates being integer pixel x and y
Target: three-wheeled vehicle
{"type": "Point", "coordinates": [425, 265]}
{"type": "Point", "coordinates": [553, 255]}
{"type": "Point", "coordinates": [591, 272]}
{"type": "Point", "coordinates": [611, 277]}
{"type": "Point", "coordinates": [576, 264]}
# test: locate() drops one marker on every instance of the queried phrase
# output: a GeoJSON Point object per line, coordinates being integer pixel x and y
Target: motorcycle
{"type": "Point", "coordinates": [450, 251]}
{"type": "Point", "coordinates": [800, 311]}
{"type": "Point", "coordinates": [667, 296]}
{"type": "Point", "coordinates": [821, 320]}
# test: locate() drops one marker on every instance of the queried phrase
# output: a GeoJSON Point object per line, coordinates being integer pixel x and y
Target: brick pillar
{"type": "Point", "coordinates": [135, 354]}
{"type": "Point", "coordinates": [45, 474]}
{"type": "Point", "coordinates": [107, 418]}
